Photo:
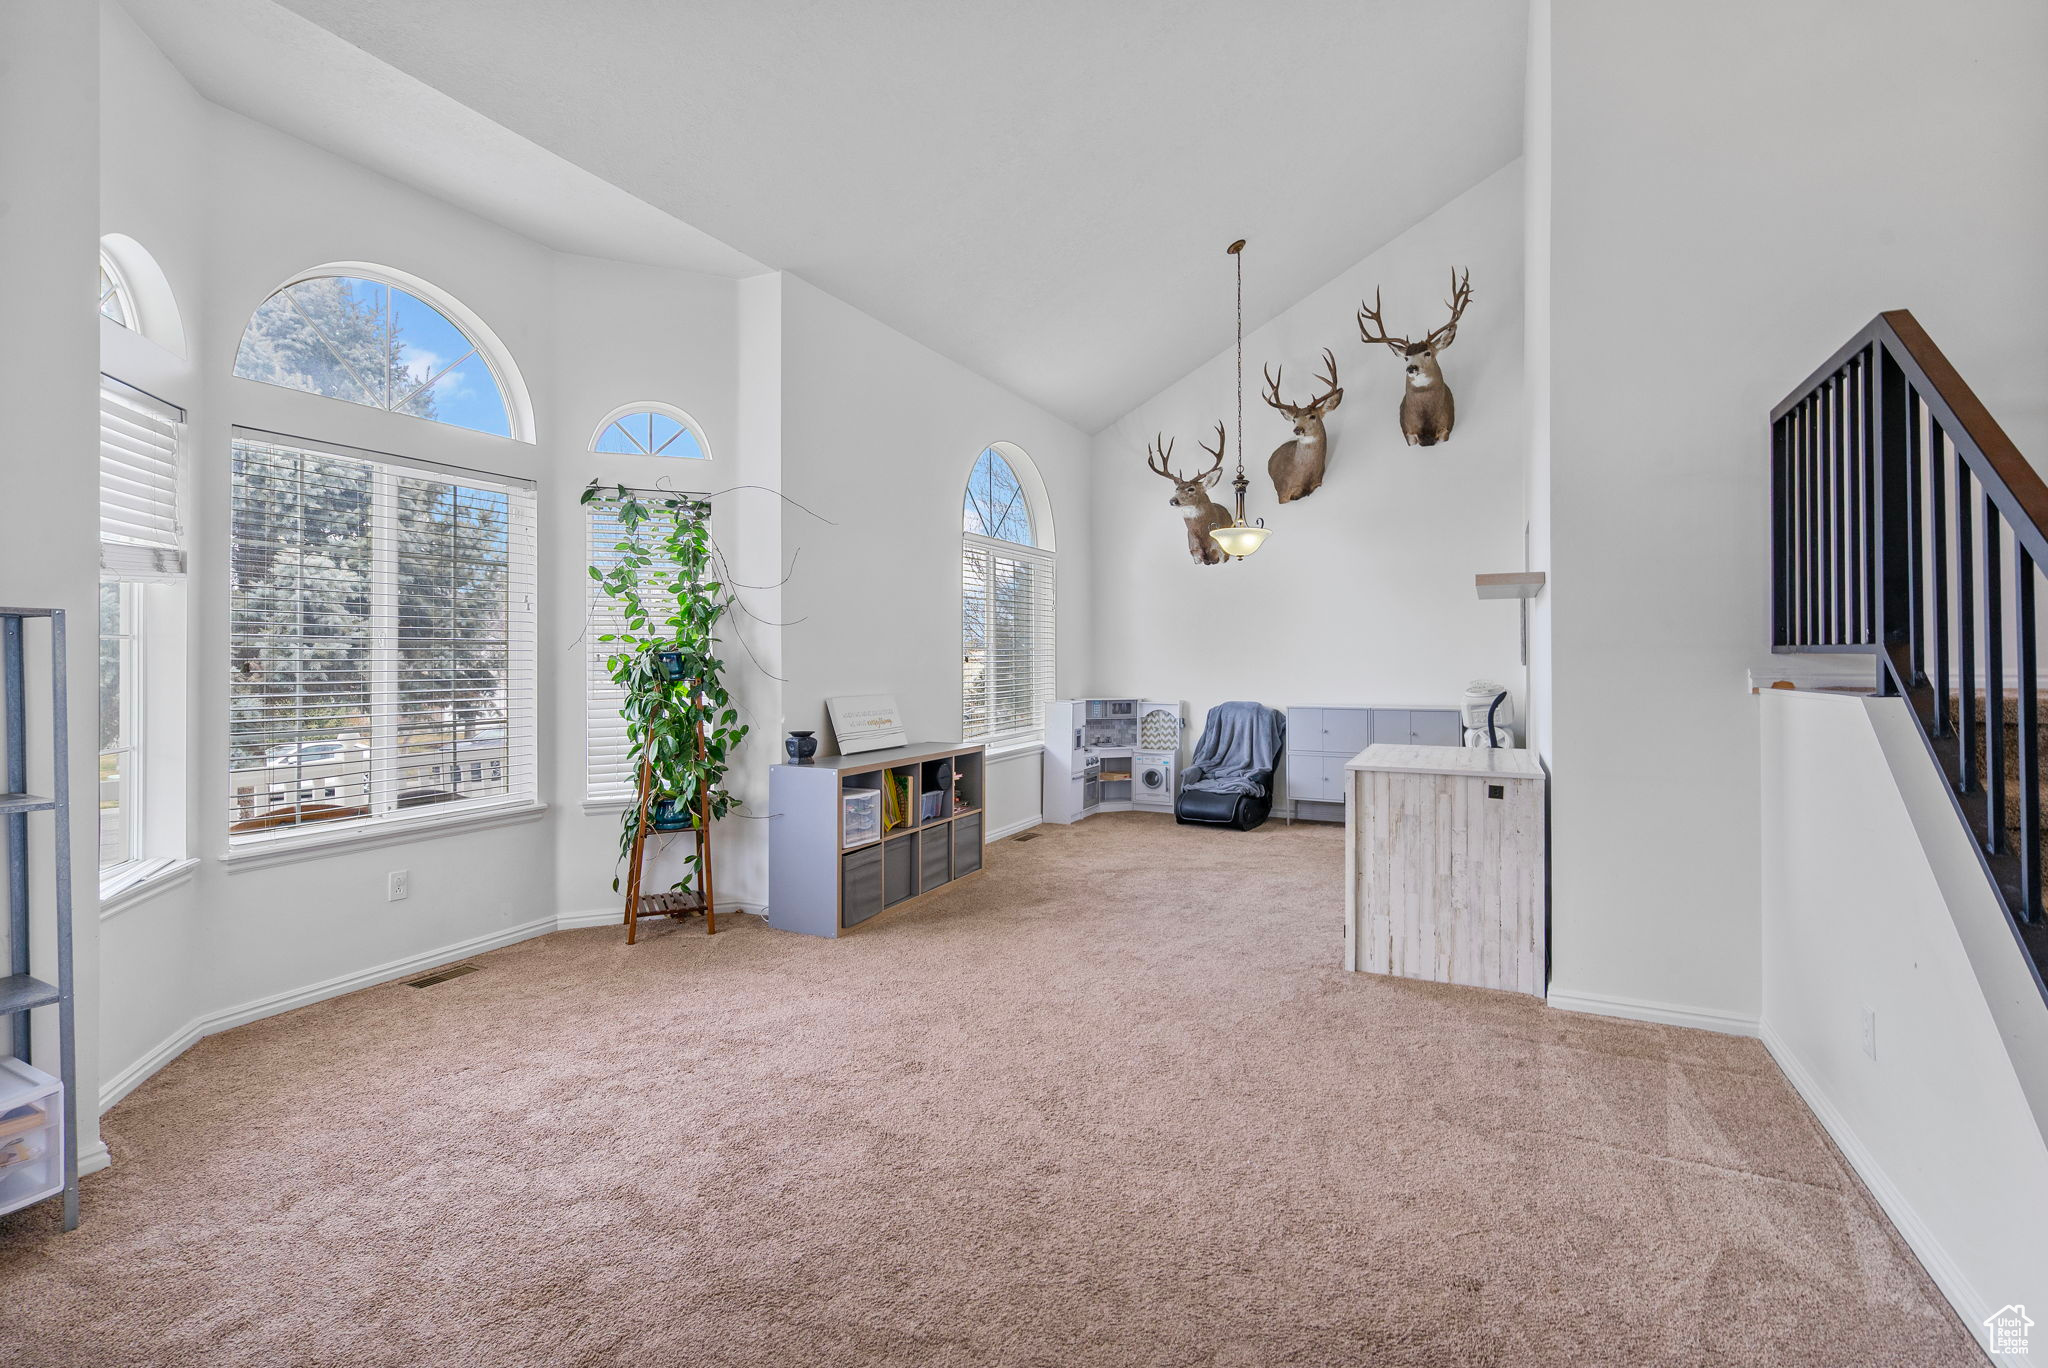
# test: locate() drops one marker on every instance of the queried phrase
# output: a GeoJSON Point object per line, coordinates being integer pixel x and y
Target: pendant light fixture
{"type": "Point", "coordinates": [1241, 538]}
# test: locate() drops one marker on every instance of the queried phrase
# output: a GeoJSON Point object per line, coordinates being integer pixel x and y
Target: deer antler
{"type": "Point", "coordinates": [1461, 295]}
{"type": "Point", "coordinates": [1158, 455]}
{"type": "Point", "coordinates": [1329, 381]}
{"type": "Point", "coordinates": [1216, 451]}
{"type": "Point", "coordinates": [1272, 394]}
{"type": "Point", "coordinates": [1372, 316]}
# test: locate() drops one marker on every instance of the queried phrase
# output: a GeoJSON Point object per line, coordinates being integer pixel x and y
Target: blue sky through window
{"type": "Point", "coordinates": [373, 344]}
{"type": "Point", "coordinates": [995, 505]}
{"type": "Point", "coordinates": [648, 433]}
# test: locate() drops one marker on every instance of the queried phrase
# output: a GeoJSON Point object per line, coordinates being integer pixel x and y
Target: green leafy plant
{"type": "Point", "coordinates": [665, 585]}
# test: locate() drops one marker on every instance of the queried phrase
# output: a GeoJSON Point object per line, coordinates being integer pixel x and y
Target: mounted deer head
{"type": "Point", "coordinates": [1297, 466]}
{"type": "Point", "coordinates": [1427, 410]}
{"type": "Point", "coordinates": [1191, 496]}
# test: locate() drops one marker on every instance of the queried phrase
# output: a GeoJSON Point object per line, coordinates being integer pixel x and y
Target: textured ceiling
{"type": "Point", "coordinates": [1041, 191]}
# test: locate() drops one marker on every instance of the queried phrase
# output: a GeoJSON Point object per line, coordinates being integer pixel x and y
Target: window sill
{"type": "Point", "coordinates": [597, 805]}
{"type": "Point", "coordinates": [263, 851]}
{"type": "Point", "coordinates": [1013, 750]}
{"type": "Point", "coordinates": [141, 881]}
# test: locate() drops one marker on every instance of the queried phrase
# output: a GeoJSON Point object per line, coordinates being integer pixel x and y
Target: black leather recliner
{"type": "Point", "coordinates": [1241, 741]}
{"type": "Point", "coordinates": [1238, 811]}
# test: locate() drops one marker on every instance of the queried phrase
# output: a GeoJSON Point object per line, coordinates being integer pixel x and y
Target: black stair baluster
{"type": "Point", "coordinates": [1838, 556]}
{"type": "Point", "coordinates": [1937, 487]}
{"type": "Point", "coordinates": [2030, 739]}
{"type": "Point", "coordinates": [1852, 460]}
{"type": "Point", "coordinates": [1994, 684]}
{"type": "Point", "coordinates": [1803, 463]}
{"type": "Point", "coordinates": [1966, 630]}
{"type": "Point", "coordinates": [1874, 584]}
{"type": "Point", "coordinates": [1915, 515]}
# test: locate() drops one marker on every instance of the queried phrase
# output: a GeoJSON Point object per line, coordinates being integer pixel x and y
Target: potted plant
{"type": "Point", "coordinates": [681, 725]}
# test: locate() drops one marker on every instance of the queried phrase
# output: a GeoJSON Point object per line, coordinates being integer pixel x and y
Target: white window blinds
{"type": "Point", "coordinates": [140, 533]}
{"type": "Point", "coordinates": [381, 637]}
{"type": "Point", "coordinates": [608, 765]}
{"type": "Point", "coordinates": [1006, 639]}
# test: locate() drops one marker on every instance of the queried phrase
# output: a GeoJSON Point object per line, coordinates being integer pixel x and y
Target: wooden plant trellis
{"type": "Point", "coordinates": [677, 904]}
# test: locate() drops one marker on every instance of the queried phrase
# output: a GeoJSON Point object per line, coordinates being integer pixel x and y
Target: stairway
{"type": "Point", "coordinates": [2011, 719]}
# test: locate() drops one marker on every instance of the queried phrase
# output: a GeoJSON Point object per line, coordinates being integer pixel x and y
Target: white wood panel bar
{"type": "Point", "coordinates": [1444, 876]}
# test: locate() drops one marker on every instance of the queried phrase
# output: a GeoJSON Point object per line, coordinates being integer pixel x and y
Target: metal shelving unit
{"type": "Point", "coordinates": [20, 992]}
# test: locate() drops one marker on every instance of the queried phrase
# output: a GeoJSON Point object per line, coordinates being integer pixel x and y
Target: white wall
{"type": "Point", "coordinates": [1736, 189]}
{"type": "Point", "coordinates": [1363, 594]}
{"type": "Point", "coordinates": [879, 434]}
{"type": "Point", "coordinates": [1536, 178]}
{"type": "Point", "coordinates": [49, 535]}
{"type": "Point", "coordinates": [1855, 917]}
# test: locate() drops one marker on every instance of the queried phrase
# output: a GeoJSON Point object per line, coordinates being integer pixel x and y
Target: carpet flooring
{"type": "Point", "coordinates": [1112, 1104]}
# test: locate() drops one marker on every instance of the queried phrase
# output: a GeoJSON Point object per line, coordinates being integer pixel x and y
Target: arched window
{"type": "Point", "coordinates": [382, 604]}
{"type": "Point", "coordinates": [1006, 600]}
{"type": "Point", "coordinates": [115, 300]}
{"type": "Point", "coordinates": [651, 430]}
{"type": "Point", "coordinates": [375, 343]}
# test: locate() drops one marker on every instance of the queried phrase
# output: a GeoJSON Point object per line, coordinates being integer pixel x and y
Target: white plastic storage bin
{"type": "Point", "coordinates": [860, 817]}
{"type": "Point", "coordinates": [31, 1135]}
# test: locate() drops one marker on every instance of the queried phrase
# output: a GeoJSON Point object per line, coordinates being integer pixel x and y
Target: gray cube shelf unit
{"type": "Point", "coordinates": [38, 1113]}
{"type": "Point", "coordinates": [827, 876]}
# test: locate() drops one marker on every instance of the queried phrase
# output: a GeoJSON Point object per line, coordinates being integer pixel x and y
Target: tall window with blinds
{"type": "Point", "coordinates": [1006, 610]}
{"type": "Point", "coordinates": [381, 638]}
{"type": "Point", "coordinates": [608, 761]}
{"type": "Point", "coordinates": [141, 542]}
{"type": "Point", "coordinates": [141, 535]}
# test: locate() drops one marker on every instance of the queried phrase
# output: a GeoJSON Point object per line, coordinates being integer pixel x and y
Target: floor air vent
{"type": "Point", "coordinates": [1023, 836]}
{"type": "Point", "coordinates": [453, 971]}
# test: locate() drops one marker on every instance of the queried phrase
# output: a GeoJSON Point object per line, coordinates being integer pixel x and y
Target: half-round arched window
{"type": "Point", "coordinates": [115, 300]}
{"type": "Point", "coordinates": [651, 430]}
{"type": "Point", "coordinates": [1006, 600]}
{"type": "Point", "coordinates": [380, 344]}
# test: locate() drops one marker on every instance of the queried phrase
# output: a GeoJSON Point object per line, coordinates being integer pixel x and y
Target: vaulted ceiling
{"type": "Point", "coordinates": [1041, 191]}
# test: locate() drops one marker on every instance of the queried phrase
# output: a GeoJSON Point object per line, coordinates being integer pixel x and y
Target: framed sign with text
{"type": "Point", "coordinates": [866, 722]}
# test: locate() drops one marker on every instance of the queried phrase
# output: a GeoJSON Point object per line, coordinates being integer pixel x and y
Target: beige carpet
{"type": "Point", "coordinates": [1112, 1104]}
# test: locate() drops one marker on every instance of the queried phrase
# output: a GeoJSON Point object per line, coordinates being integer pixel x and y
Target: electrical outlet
{"type": "Point", "coordinates": [1870, 1031]}
{"type": "Point", "coordinates": [397, 885]}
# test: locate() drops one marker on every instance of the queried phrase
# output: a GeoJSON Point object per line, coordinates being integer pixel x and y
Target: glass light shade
{"type": "Point", "coordinates": [1239, 539]}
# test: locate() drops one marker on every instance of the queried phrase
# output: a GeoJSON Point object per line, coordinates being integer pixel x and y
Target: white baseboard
{"type": "Point", "coordinates": [1664, 1013]}
{"type": "Point", "coordinates": [1919, 1237]}
{"type": "Point", "coordinates": [1012, 828]}
{"type": "Point", "coordinates": [93, 1158]}
{"type": "Point", "coordinates": [132, 1077]}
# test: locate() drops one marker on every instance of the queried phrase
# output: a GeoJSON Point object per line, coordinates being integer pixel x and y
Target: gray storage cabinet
{"type": "Point", "coordinates": [1321, 741]}
{"type": "Point", "coordinates": [820, 885]}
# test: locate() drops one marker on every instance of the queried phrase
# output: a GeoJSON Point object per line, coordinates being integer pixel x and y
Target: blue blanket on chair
{"type": "Point", "coordinates": [1240, 744]}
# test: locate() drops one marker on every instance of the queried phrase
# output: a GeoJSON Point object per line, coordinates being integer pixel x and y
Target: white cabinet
{"type": "Point", "coordinates": [1444, 866]}
{"type": "Point", "coordinates": [1320, 741]}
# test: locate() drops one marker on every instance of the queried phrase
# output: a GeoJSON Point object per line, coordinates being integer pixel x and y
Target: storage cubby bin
{"type": "Point", "coordinates": [934, 859]}
{"type": "Point", "coordinates": [31, 1135]}
{"type": "Point", "coordinates": [899, 869]}
{"type": "Point", "coordinates": [967, 844]}
{"type": "Point", "coordinates": [860, 885]}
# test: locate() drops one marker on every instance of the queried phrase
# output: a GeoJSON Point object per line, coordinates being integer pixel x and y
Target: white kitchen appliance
{"type": "Point", "coordinates": [1153, 785]}
{"type": "Point", "coordinates": [1110, 755]}
{"type": "Point", "coordinates": [1478, 705]}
